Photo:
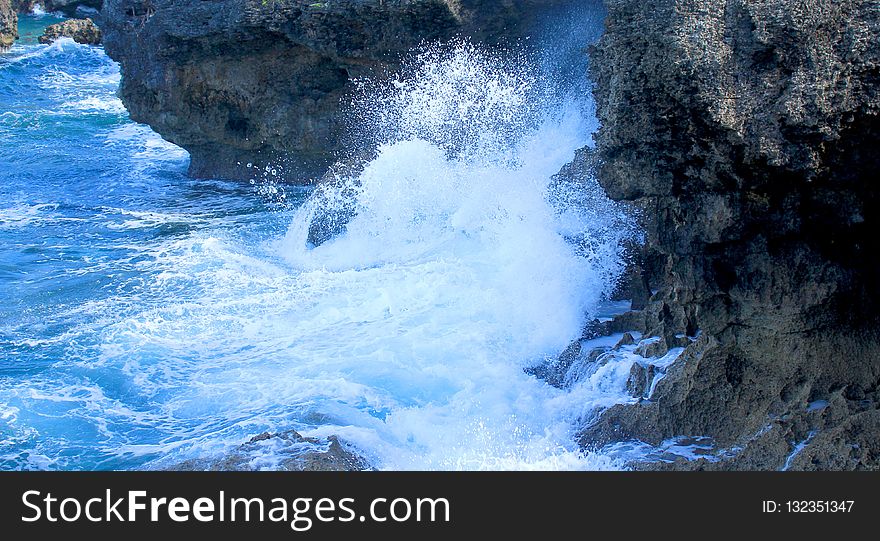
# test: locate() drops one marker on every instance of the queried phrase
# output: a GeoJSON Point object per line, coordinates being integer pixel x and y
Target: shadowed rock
{"type": "Point", "coordinates": [746, 132]}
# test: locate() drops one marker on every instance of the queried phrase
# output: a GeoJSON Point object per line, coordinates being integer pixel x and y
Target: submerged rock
{"type": "Point", "coordinates": [286, 451]}
{"type": "Point", "coordinates": [746, 131]}
{"type": "Point", "coordinates": [329, 221]}
{"type": "Point", "coordinates": [8, 25]}
{"type": "Point", "coordinates": [80, 30]}
{"type": "Point", "coordinates": [333, 203]}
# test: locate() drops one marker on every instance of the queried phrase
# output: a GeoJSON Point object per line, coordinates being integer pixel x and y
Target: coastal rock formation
{"type": "Point", "coordinates": [746, 131]}
{"type": "Point", "coordinates": [8, 25]}
{"type": "Point", "coordinates": [261, 82]}
{"type": "Point", "coordinates": [22, 6]}
{"type": "Point", "coordinates": [81, 30]}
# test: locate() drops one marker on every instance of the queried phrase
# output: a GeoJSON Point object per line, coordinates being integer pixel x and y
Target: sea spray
{"type": "Point", "coordinates": [149, 319]}
{"type": "Point", "coordinates": [463, 182]}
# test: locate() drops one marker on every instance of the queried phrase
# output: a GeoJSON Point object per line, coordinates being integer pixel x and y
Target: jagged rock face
{"type": "Point", "coordinates": [261, 81]}
{"type": "Point", "coordinates": [746, 131]}
{"type": "Point", "coordinates": [80, 30]}
{"type": "Point", "coordinates": [8, 25]}
{"type": "Point", "coordinates": [24, 6]}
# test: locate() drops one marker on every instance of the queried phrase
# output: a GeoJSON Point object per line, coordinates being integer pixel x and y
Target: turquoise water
{"type": "Point", "coordinates": [147, 318]}
{"type": "Point", "coordinates": [88, 200]}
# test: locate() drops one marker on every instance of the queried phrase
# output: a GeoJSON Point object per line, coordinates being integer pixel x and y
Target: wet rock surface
{"type": "Point", "coordinates": [745, 133]}
{"type": "Point", "coordinates": [286, 451]}
{"type": "Point", "coordinates": [80, 30]}
{"type": "Point", "coordinates": [8, 25]}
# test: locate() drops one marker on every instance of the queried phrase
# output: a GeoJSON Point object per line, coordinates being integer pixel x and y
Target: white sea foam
{"type": "Point", "coordinates": [21, 53]}
{"type": "Point", "coordinates": [406, 335]}
{"type": "Point", "coordinates": [20, 215]}
{"type": "Point", "coordinates": [150, 219]}
{"type": "Point", "coordinates": [457, 266]}
{"type": "Point", "coordinates": [96, 104]}
{"type": "Point", "coordinates": [150, 146]}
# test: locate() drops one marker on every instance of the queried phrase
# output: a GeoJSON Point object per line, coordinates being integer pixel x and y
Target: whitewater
{"type": "Point", "coordinates": [147, 318]}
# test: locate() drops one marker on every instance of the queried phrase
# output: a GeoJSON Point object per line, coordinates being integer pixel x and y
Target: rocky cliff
{"type": "Point", "coordinates": [8, 25]}
{"type": "Point", "coordinates": [259, 82]}
{"type": "Point", "coordinates": [746, 131]}
{"type": "Point", "coordinates": [80, 30]}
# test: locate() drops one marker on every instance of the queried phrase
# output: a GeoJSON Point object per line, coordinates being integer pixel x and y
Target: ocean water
{"type": "Point", "coordinates": [147, 318]}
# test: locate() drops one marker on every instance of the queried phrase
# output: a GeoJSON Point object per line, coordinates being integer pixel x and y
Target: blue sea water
{"type": "Point", "coordinates": [147, 318]}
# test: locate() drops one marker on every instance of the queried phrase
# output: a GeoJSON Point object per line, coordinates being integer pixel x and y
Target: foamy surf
{"type": "Point", "coordinates": [457, 261]}
{"type": "Point", "coordinates": [164, 319]}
